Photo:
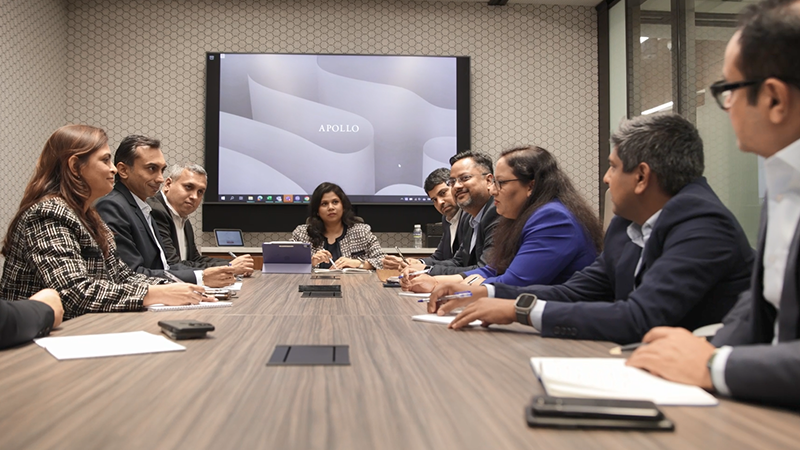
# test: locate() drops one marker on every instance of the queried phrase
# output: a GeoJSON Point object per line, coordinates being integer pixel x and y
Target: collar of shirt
{"type": "Point", "coordinates": [475, 221]}
{"type": "Point", "coordinates": [143, 206]}
{"type": "Point", "coordinates": [640, 234]}
{"type": "Point", "coordinates": [783, 171]}
{"type": "Point", "coordinates": [456, 218]}
{"type": "Point", "coordinates": [177, 218]}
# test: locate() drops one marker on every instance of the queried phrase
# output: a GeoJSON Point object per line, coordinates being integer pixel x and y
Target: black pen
{"type": "Point", "coordinates": [626, 348]}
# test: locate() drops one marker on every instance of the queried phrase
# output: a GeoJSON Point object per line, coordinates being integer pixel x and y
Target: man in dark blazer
{"type": "Point", "coordinates": [453, 219]}
{"type": "Point", "coordinates": [470, 176]}
{"type": "Point", "coordinates": [674, 255]}
{"type": "Point", "coordinates": [756, 355]}
{"type": "Point", "coordinates": [23, 320]}
{"type": "Point", "coordinates": [179, 197]}
{"type": "Point", "coordinates": [140, 166]}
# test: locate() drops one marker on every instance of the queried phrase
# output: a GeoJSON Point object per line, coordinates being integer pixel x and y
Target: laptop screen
{"type": "Point", "coordinates": [229, 238]}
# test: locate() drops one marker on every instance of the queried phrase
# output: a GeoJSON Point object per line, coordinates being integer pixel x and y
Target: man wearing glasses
{"type": "Point", "coordinates": [756, 355]}
{"type": "Point", "coordinates": [470, 178]}
{"type": "Point", "coordinates": [673, 255]}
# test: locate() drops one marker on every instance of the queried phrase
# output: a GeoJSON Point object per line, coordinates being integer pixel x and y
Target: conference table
{"type": "Point", "coordinates": [409, 385]}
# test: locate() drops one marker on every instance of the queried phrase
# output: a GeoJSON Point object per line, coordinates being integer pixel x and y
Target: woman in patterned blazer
{"type": "Point", "coordinates": [336, 233]}
{"type": "Point", "coordinates": [57, 240]}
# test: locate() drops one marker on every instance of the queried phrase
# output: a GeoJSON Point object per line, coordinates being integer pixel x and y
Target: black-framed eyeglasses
{"type": "Point", "coordinates": [722, 91]}
{"type": "Point", "coordinates": [462, 179]}
{"type": "Point", "coordinates": [499, 183]}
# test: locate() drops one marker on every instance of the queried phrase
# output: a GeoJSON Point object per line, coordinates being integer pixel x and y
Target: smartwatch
{"type": "Point", "coordinates": [524, 305]}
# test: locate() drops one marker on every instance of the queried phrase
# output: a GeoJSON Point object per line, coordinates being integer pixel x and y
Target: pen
{"type": "Point", "coordinates": [333, 264]}
{"type": "Point", "coordinates": [413, 274]}
{"type": "Point", "coordinates": [401, 254]}
{"type": "Point", "coordinates": [625, 348]}
{"type": "Point", "coordinates": [233, 255]}
{"type": "Point", "coordinates": [474, 279]}
{"type": "Point", "coordinates": [446, 298]}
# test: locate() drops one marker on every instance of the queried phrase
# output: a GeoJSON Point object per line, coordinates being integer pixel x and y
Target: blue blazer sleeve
{"type": "Point", "coordinates": [23, 320]}
{"type": "Point", "coordinates": [554, 245]}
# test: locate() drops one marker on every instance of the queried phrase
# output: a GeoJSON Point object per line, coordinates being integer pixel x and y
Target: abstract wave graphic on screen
{"type": "Point", "coordinates": [375, 125]}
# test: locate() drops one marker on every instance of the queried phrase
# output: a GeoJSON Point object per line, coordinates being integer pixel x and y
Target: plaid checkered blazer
{"type": "Point", "coordinates": [358, 241]}
{"type": "Point", "coordinates": [51, 248]}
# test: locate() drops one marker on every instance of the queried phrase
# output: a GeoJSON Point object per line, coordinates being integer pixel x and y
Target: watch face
{"type": "Point", "coordinates": [525, 300]}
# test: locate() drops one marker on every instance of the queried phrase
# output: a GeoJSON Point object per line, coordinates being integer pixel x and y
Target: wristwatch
{"type": "Point", "coordinates": [524, 305]}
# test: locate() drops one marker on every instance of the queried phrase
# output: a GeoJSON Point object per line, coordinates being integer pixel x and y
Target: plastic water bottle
{"type": "Point", "coordinates": [417, 236]}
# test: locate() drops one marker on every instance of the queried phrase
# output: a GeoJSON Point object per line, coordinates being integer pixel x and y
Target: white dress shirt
{"type": "Point", "coordinates": [146, 211]}
{"type": "Point", "coordinates": [783, 208]}
{"type": "Point", "coordinates": [179, 222]}
{"type": "Point", "coordinates": [454, 226]}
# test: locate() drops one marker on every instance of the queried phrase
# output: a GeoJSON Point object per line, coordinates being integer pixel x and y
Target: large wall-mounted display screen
{"type": "Point", "coordinates": [277, 125]}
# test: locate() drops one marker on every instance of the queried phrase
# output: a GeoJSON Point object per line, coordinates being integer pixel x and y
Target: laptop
{"type": "Point", "coordinates": [228, 237]}
{"type": "Point", "coordinates": [286, 257]}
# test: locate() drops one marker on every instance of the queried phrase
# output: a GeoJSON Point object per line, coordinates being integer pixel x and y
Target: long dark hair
{"type": "Point", "coordinates": [316, 228]}
{"type": "Point", "coordinates": [550, 183]}
{"type": "Point", "coordinates": [53, 178]}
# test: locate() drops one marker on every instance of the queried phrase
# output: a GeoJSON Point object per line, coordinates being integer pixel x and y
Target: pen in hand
{"type": "Point", "coordinates": [333, 264]}
{"type": "Point", "coordinates": [446, 298]}
{"type": "Point", "coordinates": [401, 254]}
{"type": "Point", "coordinates": [626, 348]}
{"type": "Point", "coordinates": [413, 274]}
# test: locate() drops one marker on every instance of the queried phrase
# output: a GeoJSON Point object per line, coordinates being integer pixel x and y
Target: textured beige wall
{"type": "Point", "coordinates": [138, 67]}
{"type": "Point", "coordinates": [33, 90]}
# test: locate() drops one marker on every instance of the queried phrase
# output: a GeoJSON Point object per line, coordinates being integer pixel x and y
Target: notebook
{"type": "Point", "coordinates": [611, 378]}
{"type": "Point", "coordinates": [201, 305]}
{"type": "Point", "coordinates": [345, 270]}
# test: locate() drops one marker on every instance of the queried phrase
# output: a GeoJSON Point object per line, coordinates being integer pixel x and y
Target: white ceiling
{"type": "Point", "coordinates": [523, 2]}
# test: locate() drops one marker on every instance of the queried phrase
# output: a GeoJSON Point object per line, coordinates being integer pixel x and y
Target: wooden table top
{"type": "Point", "coordinates": [409, 385]}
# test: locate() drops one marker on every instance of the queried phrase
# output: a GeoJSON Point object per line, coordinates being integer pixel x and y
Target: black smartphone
{"type": "Point", "coordinates": [185, 329]}
{"type": "Point", "coordinates": [546, 411]}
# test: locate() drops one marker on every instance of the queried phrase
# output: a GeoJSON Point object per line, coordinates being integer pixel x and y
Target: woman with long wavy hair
{"type": "Point", "coordinates": [336, 234]}
{"type": "Point", "coordinates": [57, 240]}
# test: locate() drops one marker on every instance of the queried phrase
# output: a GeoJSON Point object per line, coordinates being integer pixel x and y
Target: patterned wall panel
{"type": "Point", "coordinates": [138, 66]}
{"type": "Point", "coordinates": [33, 90]}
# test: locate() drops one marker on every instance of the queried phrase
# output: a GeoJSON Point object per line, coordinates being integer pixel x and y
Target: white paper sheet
{"type": "Point", "coordinates": [443, 320]}
{"type": "Point", "coordinates": [112, 344]}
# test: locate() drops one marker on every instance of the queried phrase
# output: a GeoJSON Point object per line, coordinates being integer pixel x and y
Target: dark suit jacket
{"type": "Point", "coordinates": [464, 259]}
{"type": "Point", "coordinates": [445, 250]}
{"type": "Point", "coordinates": [756, 369]}
{"type": "Point", "coordinates": [23, 320]}
{"type": "Point", "coordinates": [168, 233]}
{"type": "Point", "coordinates": [135, 244]}
{"type": "Point", "coordinates": [695, 264]}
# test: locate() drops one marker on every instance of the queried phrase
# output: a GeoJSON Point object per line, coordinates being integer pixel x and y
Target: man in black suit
{"type": "Point", "coordinates": [454, 223]}
{"type": "Point", "coordinates": [140, 166]}
{"type": "Point", "coordinates": [471, 174]}
{"type": "Point", "coordinates": [673, 255]}
{"type": "Point", "coordinates": [23, 320]}
{"type": "Point", "coordinates": [179, 197]}
{"type": "Point", "coordinates": [756, 355]}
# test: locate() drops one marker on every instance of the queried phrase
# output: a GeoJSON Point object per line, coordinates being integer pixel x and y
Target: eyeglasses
{"type": "Point", "coordinates": [499, 183]}
{"type": "Point", "coordinates": [462, 179]}
{"type": "Point", "coordinates": [722, 91]}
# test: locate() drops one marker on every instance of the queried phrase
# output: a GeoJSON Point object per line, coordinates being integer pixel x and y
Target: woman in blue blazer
{"type": "Point", "coordinates": [548, 231]}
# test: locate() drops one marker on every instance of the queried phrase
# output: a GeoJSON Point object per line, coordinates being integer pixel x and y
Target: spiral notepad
{"type": "Point", "coordinates": [201, 305]}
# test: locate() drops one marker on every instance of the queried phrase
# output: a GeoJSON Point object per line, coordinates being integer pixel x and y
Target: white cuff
{"type": "Point", "coordinates": [489, 290]}
{"type": "Point", "coordinates": [199, 275]}
{"type": "Point", "coordinates": [718, 370]}
{"type": "Point", "coordinates": [536, 314]}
